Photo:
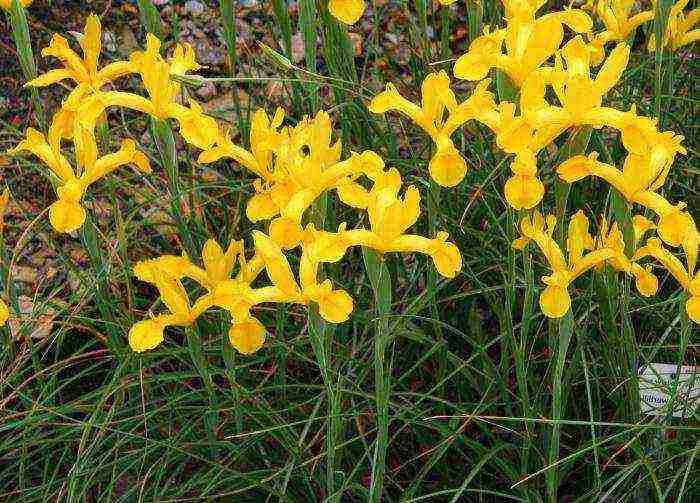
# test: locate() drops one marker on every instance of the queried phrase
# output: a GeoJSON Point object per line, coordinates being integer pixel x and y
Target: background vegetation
{"type": "Point", "coordinates": [471, 362]}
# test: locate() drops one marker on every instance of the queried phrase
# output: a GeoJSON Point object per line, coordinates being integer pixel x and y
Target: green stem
{"type": "Point", "coordinates": [284, 22]}
{"type": "Point", "coordinates": [321, 336]}
{"type": "Point", "coordinates": [100, 267]}
{"type": "Point", "coordinates": [381, 286]}
{"type": "Point", "coordinates": [521, 354]}
{"type": "Point", "coordinates": [623, 215]}
{"type": "Point", "coordinates": [307, 27]}
{"type": "Point", "coordinates": [660, 19]}
{"type": "Point", "coordinates": [165, 141]}
{"type": "Point", "coordinates": [228, 24]}
{"type": "Point", "coordinates": [150, 18]}
{"type": "Point", "coordinates": [17, 18]}
{"type": "Point", "coordinates": [565, 332]}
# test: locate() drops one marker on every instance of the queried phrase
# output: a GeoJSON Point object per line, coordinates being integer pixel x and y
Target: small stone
{"type": "Point", "coordinates": [357, 41]}
{"type": "Point", "coordinates": [206, 91]}
{"type": "Point", "coordinates": [109, 41]}
{"type": "Point", "coordinates": [32, 320]}
{"type": "Point", "coordinates": [129, 42]}
{"type": "Point", "coordinates": [297, 47]}
{"type": "Point", "coordinates": [194, 7]}
{"type": "Point", "coordinates": [24, 274]}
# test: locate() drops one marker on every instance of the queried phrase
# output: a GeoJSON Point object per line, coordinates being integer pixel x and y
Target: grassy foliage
{"type": "Point", "coordinates": [481, 398]}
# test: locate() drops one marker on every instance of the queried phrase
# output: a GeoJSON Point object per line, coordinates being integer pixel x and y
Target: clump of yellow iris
{"type": "Point", "coordinates": [524, 45]}
{"type": "Point", "coordinates": [228, 291]}
{"type": "Point", "coordinates": [555, 300]}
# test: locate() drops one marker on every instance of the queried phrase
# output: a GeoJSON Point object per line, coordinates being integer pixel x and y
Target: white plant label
{"type": "Point", "coordinates": [662, 383]}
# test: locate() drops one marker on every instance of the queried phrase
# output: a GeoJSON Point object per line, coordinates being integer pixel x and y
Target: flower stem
{"type": "Point", "coordinates": [565, 332]}
{"type": "Point", "coordinates": [321, 336]}
{"type": "Point", "coordinates": [165, 141]}
{"type": "Point", "coordinates": [20, 35]}
{"type": "Point", "coordinates": [381, 285]}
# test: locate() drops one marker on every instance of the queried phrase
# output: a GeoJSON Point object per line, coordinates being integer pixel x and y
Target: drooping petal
{"type": "Point", "coordinates": [50, 77]}
{"type": "Point", "coordinates": [692, 305]}
{"type": "Point", "coordinates": [66, 216]}
{"type": "Point", "coordinates": [145, 335]}
{"type": "Point", "coordinates": [286, 232]}
{"type": "Point", "coordinates": [391, 99]}
{"type": "Point", "coordinates": [196, 128]}
{"type": "Point", "coordinates": [276, 263]}
{"type": "Point", "coordinates": [261, 207]}
{"type": "Point", "coordinates": [523, 191]}
{"type": "Point", "coordinates": [346, 11]}
{"type": "Point", "coordinates": [447, 167]}
{"type": "Point", "coordinates": [4, 312]}
{"type": "Point", "coordinates": [555, 301]}
{"type": "Point", "coordinates": [247, 336]}
{"type": "Point", "coordinates": [334, 306]}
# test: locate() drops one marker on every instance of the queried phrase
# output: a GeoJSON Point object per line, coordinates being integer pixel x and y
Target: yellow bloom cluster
{"type": "Point", "coordinates": [77, 118]}
{"type": "Point", "coordinates": [558, 91]}
{"type": "Point", "coordinates": [293, 165]}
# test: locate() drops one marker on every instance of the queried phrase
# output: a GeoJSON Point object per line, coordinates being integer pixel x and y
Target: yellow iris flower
{"type": "Point", "coordinates": [637, 182]}
{"type": "Point", "coordinates": [619, 22]}
{"type": "Point", "coordinates": [439, 115]}
{"type": "Point", "coordinates": [156, 73]}
{"type": "Point", "coordinates": [529, 41]}
{"type": "Point", "coordinates": [7, 4]}
{"type": "Point", "coordinates": [689, 280]}
{"type": "Point", "coordinates": [389, 218]}
{"type": "Point", "coordinates": [679, 28]}
{"type": "Point", "coordinates": [294, 165]}
{"type": "Point", "coordinates": [580, 95]}
{"type": "Point", "coordinates": [347, 11]}
{"type": "Point", "coordinates": [555, 300]}
{"type": "Point", "coordinates": [82, 70]}
{"type": "Point", "coordinates": [233, 294]}
{"type": "Point", "coordinates": [67, 214]}
{"type": "Point", "coordinates": [612, 237]}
